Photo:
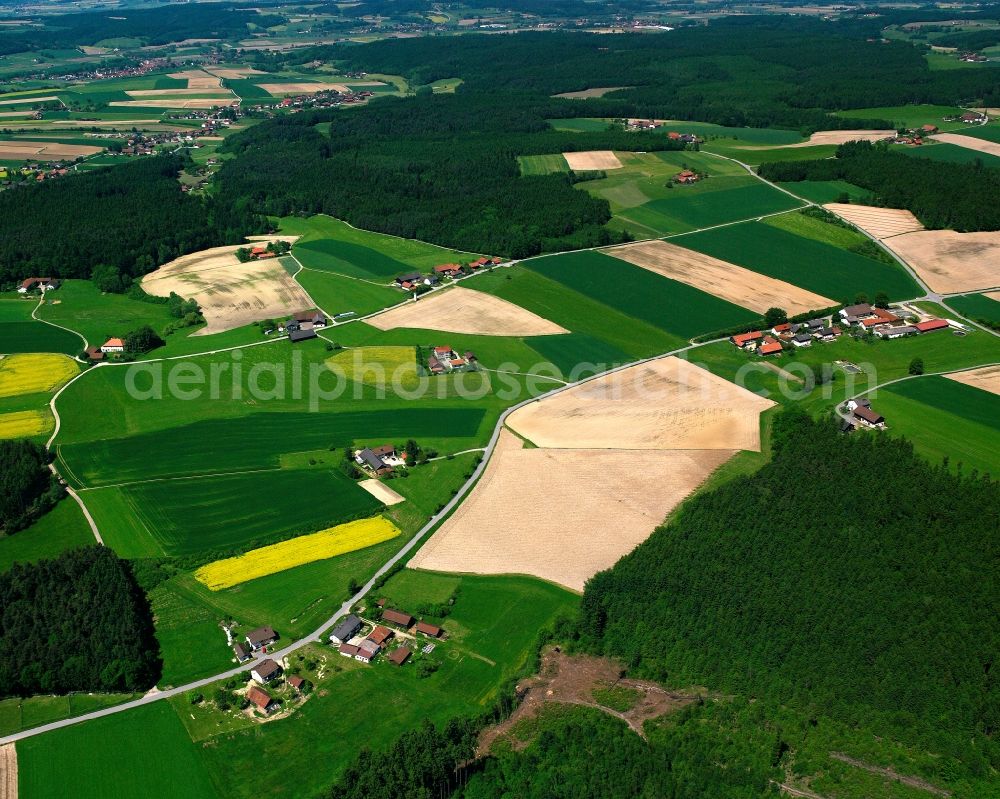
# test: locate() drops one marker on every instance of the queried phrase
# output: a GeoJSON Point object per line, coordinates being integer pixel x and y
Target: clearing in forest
{"type": "Point", "coordinates": [563, 514]}
{"type": "Point", "coordinates": [878, 222]}
{"type": "Point", "coordinates": [231, 294]}
{"type": "Point", "coordinates": [592, 160]}
{"type": "Point", "coordinates": [728, 281]}
{"type": "Point", "coordinates": [665, 404]}
{"type": "Point", "coordinates": [19, 150]}
{"type": "Point", "coordinates": [987, 378]}
{"type": "Point", "coordinates": [462, 310]}
{"type": "Point", "coordinates": [950, 262]}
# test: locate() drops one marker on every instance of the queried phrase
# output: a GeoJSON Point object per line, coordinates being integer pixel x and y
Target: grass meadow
{"type": "Point", "coordinates": [815, 265]}
{"type": "Point", "coordinates": [542, 164]}
{"type": "Point", "coordinates": [673, 307]}
{"type": "Point", "coordinates": [24, 713]}
{"type": "Point", "coordinates": [907, 116]}
{"type": "Point", "coordinates": [338, 295]}
{"type": "Point", "coordinates": [62, 528]}
{"type": "Point", "coordinates": [950, 154]}
{"type": "Point", "coordinates": [20, 333]}
{"type": "Point", "coordinates": [945, 419]}
{"type": "Point", "coordinates": [977, 306]}
{"type": "Point", "coordinates": [826, 191]}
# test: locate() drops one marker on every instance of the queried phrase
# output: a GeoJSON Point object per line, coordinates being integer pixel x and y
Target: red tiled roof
{"type": "Point", "coordinates": [769, 346]}
{"type": "Point", "coordinates": [428, 629]}
{"type": "Point", "coordinates": [931, 324]}
{"type": "Point", "coordinates": [114, 342]}
{"type": "Point", "coordinates": [259, 697]}
{"type": "Point", "coordinates": [743, 338]}
{"type": "Point", "coordinates": [380, 634]}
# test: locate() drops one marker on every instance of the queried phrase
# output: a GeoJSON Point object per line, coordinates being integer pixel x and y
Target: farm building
{"type": "Point", "coordinates": [301, 335]}
{"type": "Point", "coordinates": [802, 340]}
{"type": "Point", "coordinates": [769, 346]}
{"type": "Point", "coordinates": [41, 283]}
{"type": "Point", "coordinates": [854, 313]}
{"type": "Point", "coordinates": [409, 280]}
{"type": "Point", "coordinates": [429, 629]}
{"type": "Point", "coordinates": [445, 359]}
{"type": "Point", "coordinates": [367, 651]}
{"type": "Point", "coordinates": [241, 652]}
{"type": "Point", "coordinates": [296, 682]}
{"type": "Point", "coordinates": [368, 459]}
{"type": "Point", "coordinates": [448, 270]}
{"type": "Point", "coordinates": [897, 331]}
{"type": "Point", "coordinates": [95, 354]}
{"type": "Point", "coordinates": [260, 699]}
{"type": "Point", "coordinates": [346, 630]}
{"type": "Point", "coordinates": [686, 177]}
{"type": "Point", "coordinates": [399, 656]}
{"type": "Point", "coordinates": [113, 345]}
{"type": "Point", "coordinates": [380, 635]}
{"type": "Point", "coordinates": [265, 671]}
{"type": "Point", "coordinates": [261, 637]}
{"type": "Point", "coordinates": [931, 325]}
{"type": "Point", "coordinates": [348, 650]}
{"type": "Point", "coordinates": [746, 340]}
{"type": "Point", "coordinates": [868, 417]}
{"type": "Point", "coordinates": [397, 617]}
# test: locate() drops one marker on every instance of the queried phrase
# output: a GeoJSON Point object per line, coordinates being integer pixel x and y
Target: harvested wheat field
{"type": "Point", "coordinates": [594, 159]}
{"type": "Point", "coordinates": [381, 492]}
{"type": "Point", "coordinates": [15, 114]}
{"type": "Point", "coordinates": [587, 93]}
{"type": "Point", "coordinates": [881, 223]}
{"type": "Point", "coordinates": [562, 515]}
{"type": "Point", "coordinates": [840, 137]}
{"type": "Point", "coordinates": [233, 73]}
{"type": "Point", "coordinates": [19, 100]}
{"type": "Point", "coordinates": [278, 89]}
{"type": "Point", "coordinates": [19, 149]}
{"type": "Point", "coordinates": [969, 142]}
{"type": "Point", "coordinates": [8, 772]}
{"type": "Point", "coordinates": [948, 261]}
{"type": "Point", "coordinates": [987, 378]}
{"type": "Point", "coordinates": [181, 102]}
{"type": "Point", "coordinates": [231, 294]}
{"type": "Point", "coordinates": [728, 281]}
{"type": "Point", "coordinates": [462, 310]}
{"type": "Point", "coordinates": [177, 93]}
{"type": "Point", "coordinates": [198, 79]}
{"type": "Point", "coordinates": [664, 404]}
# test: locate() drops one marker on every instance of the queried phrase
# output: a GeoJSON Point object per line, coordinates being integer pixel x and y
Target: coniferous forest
{"type": "Point", "coordinates": [27, 488]}
{"type": "Point", "coordinates": [78, 622]}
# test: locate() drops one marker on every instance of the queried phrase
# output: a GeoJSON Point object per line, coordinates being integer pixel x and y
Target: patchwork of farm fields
{"type": "Point", "coordinates": [20, 333]}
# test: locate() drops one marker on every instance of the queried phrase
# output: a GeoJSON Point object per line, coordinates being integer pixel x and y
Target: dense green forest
{"type": "Point", "coordinates": [78, 622]}
{"type": "Point", "coordinates": [132, 217]}
{"type": "Point", "coordinates": [847, 576]}
{"type": "Point", "coordinates": [27, 488]}
{"type": "Point", "coordinates": [442, 168]}
{"type": "Point", "coordinates": [941, 195]}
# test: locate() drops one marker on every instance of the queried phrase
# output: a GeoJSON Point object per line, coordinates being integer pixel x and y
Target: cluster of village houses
{"type": "Point", "coordinates": [264, 671]}
{"type": "Point", "coordinates": [303, 325]}
{"type": "Point", "coordinates": [444, 359]}
{"type": "Point", "coordinates": [352, 642]}
{"type": "Point", "coordinates": [416, 280]}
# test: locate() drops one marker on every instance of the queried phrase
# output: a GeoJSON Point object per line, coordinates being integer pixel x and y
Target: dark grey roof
{"type": "Point", "coordinates": [814, 323]}
{"type": "Point", "coordinates": [826, 331]}
{"type": "Point", "coordinates": [301, 335]}
{"type": "Point", "coordinates": [347, 628]}
{"type": "Point", "coordinates": [802, 337]}
{"type": "Point", "coordinates": [861, 309]}
{"type": "Point", "coordinates": [409, 277]}
{"type": "Point", "coordinates": [371, 459]}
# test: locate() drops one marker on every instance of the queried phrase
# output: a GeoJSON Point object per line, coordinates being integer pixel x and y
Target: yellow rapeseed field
{"type": "Point", "coordinates": [295, 552]}
{"type": "Point", "coordinates": [23, 423]}
{"type": "Point", "coordinates": [31, 373]}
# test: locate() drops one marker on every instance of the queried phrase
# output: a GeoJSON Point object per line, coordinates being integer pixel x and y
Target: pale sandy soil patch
{"type": "Point", "coordinates": [969, 142]}
{"type": "Point", "coordinates": [302, 88]}
{"type": "Point", "coordinates": [987, 378]}
{"type": "Point", "coordinates": [993, 295]}
{"type": "Point", "coordinates": [583, 95]}
{"type": "Point", "coordinates": [231, 294]}
{"type": "Point", "coordinates": [8, 772]}
{"type": "Point", "coordinates": [198, 79]}
{"type": "Point", "coordinates": [381, 492]}
{"type": "Point", "coordinates": [462, 310]}
{"type": "Point", "coordinates": [87, 50]}
{"type": "Point", "coordinates": [878, 222]}
{"type": "Point", "coordinates": [664, 404]}
{"type": "Point", "coordinates": [17, 150]}
{"type": "Point", "coordinates": [180, 102]}
{"type": "Point", "coordinates": [177, 93]}
{"type": "Point", "coordinates": [948, 261]}
{"type": "Point", "coordinates": [563, 515]}
{"type": "Point", "coordinates": [234, 73]}
{"type": "Point", "coordinates": [837, 137]}
{"type": "Point", "coordinates": [14, 114]}
{"type": "Point", "coordinates": [18, 100]}
{"type": "Point", "coordinates": [594, 159]}
{"type": "Point", "coordinates": [727, 281]}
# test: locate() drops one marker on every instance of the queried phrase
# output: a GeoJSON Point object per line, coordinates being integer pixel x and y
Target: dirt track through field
{"type": "Point", "coordinates": [969, 142]}
{"type": "Point", "coordinates": [727, 281]}
{"type": "Point", "coordinates": [592, 160]}
{"type": "Point", "coordinates": [881, 223]}
{"type": "Point", "coordinates": [381, 492]}
{"type": "Point", "coordinates": [563, 514]}
{"type": "Point", "coordinates": [948, 261]}
{"type": "Point", "coordinates": [462, 310]}
{"type": "Point", "coordinates": [662, 405]}
{"type": "Point", "coordinates": [17, 150]}
{"type": "Point", "coordinates": [8, 772]}
{"type": "Point", "coordinates": [231, 294]}
{"type": "Point", "coordinates": [987, 378]}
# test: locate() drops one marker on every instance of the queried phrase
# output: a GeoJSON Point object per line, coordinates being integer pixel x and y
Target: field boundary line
{"type": "Point", "coordinates": [83, 338]}
{"type": "Point", "coordinates": [128, 483]}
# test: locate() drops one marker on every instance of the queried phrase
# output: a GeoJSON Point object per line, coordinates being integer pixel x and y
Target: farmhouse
{"type": "Point", "coordinates": [409, 280]}
{"type": "Point", "coordinates": [802, 340]}
{"type": "Point", "coordinates": [260, 699]}
{"type": "Point", "coordinates": [429, 630]}
{"type": "Point", "coordinates": [931, 325]}
{"type": "Point", "coordinates": [296, 682]}
{"type": "Point", "coordinates": [301, 335]}
{"type": "Point", "coordinates": [307, 319]}
{"type": "Point", "coordinates": [265, 671]}
{"type": "Point", "coordinates": [367, 651]}
{"type": "Point", "coordinates": [261, 637]}
{"type": "Point", "coordinates": [928, 129]}
{"type": "Point", "coordinates": [746, 340]}
{"type": "Point", "coordinates": [397, 617]}
{"type": "Point", "coordinates": [368, 459]}
{"type": "Point", "coordinates": [827, 333]}
{"type": "Point", "coordinates": [41, 283]}
{"type": "Point", "coordinates": [113, 345]}
{"type": "Point", "coordinates": [241, 652]}
{"type": "Point", "coordinates": [479, 263]}
{"type": "Point", "coordinates": [448, 270]}
{"type": "Point", "coordinates": [348, 650]}
{"type": "Point", "coordinates": [445, 359]}
{"type": "Point", "coordinates": [686, 177]}
{"type": "Point", "coordinates": [399, 656]}
{"type": "Point", "coordinates": [782, 328]}
{"type": "Point", "coordinates": [346, 630]}
{"type": "Point", "coordinates": [769, 346]}
{"type": "Point", "coordinates": [380, 635]}
{"type": "Point", "coordinates": [853, 313]}
{"type": "Point", "coordinates": [868, 417]}
{"type": "Point", "coordinates": [95, 354]}
{"type": "Point", "coordinates": [973, 118]}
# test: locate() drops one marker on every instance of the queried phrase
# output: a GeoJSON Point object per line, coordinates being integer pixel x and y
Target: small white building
{"type": "Point", "coordinates": [113, 345]}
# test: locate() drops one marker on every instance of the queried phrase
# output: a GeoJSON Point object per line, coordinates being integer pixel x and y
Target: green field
{"type": "Point", "coordinates": [671, 306]}
{"type": "Point", "coordinates": [950, 154]}
{"type": "Point", "coordinates": [542, 164]}
{"type": "Point", "coordinates": [820, 267]}
{"type": "Point", "coordinates": [329, 245]}
{"type": "Point", "coordinates": [133, 755]}
{"type": "Point", "coordinates": [574, 351]}
{"type": "Point", "coordinates": [826, 191]}
{"type": "Point", "coordinates": [337, 294]}
{"type": "Point", "coordinates": [990, 132]}
{"type": "Point", "coordinates": [20, 333]}
{"type": "Point", "coordinates": [907, 116]}
{"type": "Point", "coordinates": [705, 130]}
{"type": "Point", "coordinates": [62, 528]}
{"type": "Point", "coordinates": [977, 306]}
{"type": "Point", "coordinates": [224, 513]}
{"type": "Point", "coordinates": [944, 418]}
